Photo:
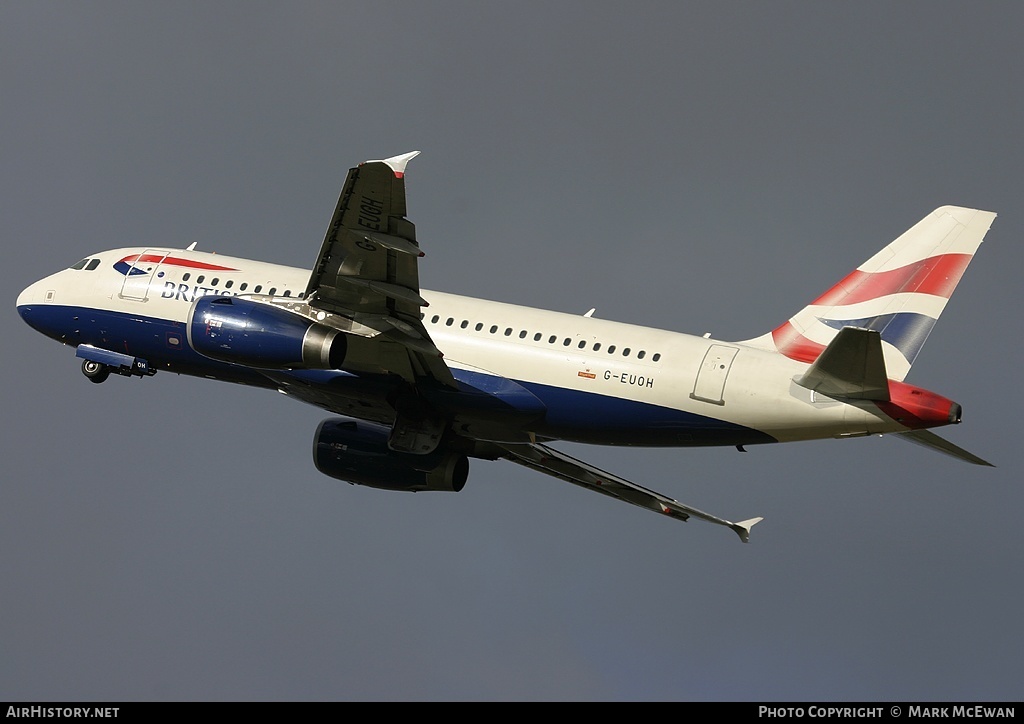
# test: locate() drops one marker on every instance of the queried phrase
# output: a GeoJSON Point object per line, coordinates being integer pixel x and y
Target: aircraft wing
{"type": "Point", "coordinates": [557, 464]}
{"type": "Point", "coordinates": [367, 274]}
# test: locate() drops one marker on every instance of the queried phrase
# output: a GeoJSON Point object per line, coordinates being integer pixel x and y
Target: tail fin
{"type": "Point", "coordinates": [899, 292]}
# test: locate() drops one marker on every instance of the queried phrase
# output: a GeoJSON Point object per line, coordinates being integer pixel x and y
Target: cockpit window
{"type": "Point", "coordinates": [87, 264]}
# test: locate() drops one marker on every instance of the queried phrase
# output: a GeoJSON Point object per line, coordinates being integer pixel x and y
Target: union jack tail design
{"type": "Point", "coordinates": [900, 292]}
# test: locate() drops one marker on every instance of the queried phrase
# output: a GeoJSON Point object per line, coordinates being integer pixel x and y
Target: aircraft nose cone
{"type": "Point", "coordinates": [26, 298]}
{"type": "Point", "coordinates": [31, 302]}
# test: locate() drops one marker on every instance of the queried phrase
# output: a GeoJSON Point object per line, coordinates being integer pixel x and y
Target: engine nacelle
{"type": "Point", "coordinates": [255, 334]}
{"type": "Point", "coordinates": [357, 452]}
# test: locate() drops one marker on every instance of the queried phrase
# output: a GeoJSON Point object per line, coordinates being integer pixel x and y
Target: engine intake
{"type": "Point", "coordinates": [243, 331]}
{"type": "Point", "coordinates": [357, 452]}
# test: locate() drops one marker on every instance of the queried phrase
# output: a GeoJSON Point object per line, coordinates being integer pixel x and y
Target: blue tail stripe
{"type": "Point", "coordinates": [906, 331]}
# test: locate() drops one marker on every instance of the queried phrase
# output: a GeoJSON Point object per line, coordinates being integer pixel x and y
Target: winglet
{"type": "Point", "coordinates": [398, 163]}
{"type": "Point", "coordinates": [743, 528]}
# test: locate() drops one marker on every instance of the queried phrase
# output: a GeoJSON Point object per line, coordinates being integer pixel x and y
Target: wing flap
{"type": "Point", "coordinates": [373, 288]}
{"type": "Point", "coordinates": [395, 243]}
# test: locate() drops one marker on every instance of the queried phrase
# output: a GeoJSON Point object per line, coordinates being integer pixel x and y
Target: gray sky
{"type": "Point", "coordinates": [701, 167]}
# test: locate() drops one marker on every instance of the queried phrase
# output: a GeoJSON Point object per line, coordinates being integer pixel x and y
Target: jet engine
{"type": "Point", "coordinates": [255, 334]}
{"type": "Point", "coordinates": [357, 452]}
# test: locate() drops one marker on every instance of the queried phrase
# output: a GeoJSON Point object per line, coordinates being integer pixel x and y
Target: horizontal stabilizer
{"type": "Point", "coordinates": [852, 366]}
{"type": "Point", "coordinates": [933, 441]}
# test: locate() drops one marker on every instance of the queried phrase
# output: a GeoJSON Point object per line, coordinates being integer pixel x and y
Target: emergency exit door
{"type": "Point", "coordinates": [714, 370]}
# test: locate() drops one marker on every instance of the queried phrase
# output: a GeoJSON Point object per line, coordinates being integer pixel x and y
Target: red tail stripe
{"type": "Point", "coordinates": [794, 345]}
{"type": "Point", "coordinates": [937, 276]}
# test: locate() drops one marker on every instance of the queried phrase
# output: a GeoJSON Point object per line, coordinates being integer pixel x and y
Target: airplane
{"type": "Point", "coordinates": [419, 382]}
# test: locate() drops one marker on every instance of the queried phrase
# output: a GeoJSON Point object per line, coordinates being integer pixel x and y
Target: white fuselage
{"type": "Point", "coordinates": [729, 383]}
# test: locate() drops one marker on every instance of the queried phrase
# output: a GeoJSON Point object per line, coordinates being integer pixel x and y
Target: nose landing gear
{"type": "Point", "coordinates": [95, 371]}
{"type": "Point", "coordinates": [98, 363]}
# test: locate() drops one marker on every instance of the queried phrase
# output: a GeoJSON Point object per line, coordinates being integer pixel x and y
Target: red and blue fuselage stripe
{"type": "Point", "coordinates": [129, 265]}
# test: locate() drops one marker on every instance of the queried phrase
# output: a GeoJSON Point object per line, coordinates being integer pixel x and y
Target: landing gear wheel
{"type": "Point", "coordinates": [96, 371]}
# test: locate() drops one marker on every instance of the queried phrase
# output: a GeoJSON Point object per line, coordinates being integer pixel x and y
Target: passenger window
{"type": "Point", "coordinates": [494, 328]}
{"type": "Point", "coordinates": [508, 331]}
{"type": "Point", "coordinates": [273, 291]}
{"type": "Point", "coordinates": [433, 320]}
{"type": "Point", "coordinates": [214, 281]}
{"type": "Point", "coordinates": [552, 339]}
{"type": "Point", "coordinates": [465, 323]}
{"type": "Point", "coordinates": [449, 322]}
{"type": "Point", "coordinates": [611, 349]}
{"type": "Point", "coordinates": [479, 326]}
{"type": "Point", "coordinates": [625, 352]}
{"type": "Point", "coordinates": [641, 354]}
{"type": "Point", "coordinates": [287, 292]}
{"type": "Point", "coordinates": [257, 289]}
{"type": "Point", "coordinates": [199, 279]}
{"type": "Point", "coordinates": [536, 337]}
{"type": "Point", "coordinates": [522, 334]}
{"type": "Point", "coordinates": [657, 356]}
{"type": "Point", "coordinates": [228, 283]}
{"type": "Point", "coordinates": [185, 276]}
{"type": "Point", "coordinates": [241, 287]}
{"type": "Point", "coordinates": [582, 344]}
{"type": "Point", "coordinates": [597, 346]}
{"type": "Point", "coordinates": [566, 342]}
